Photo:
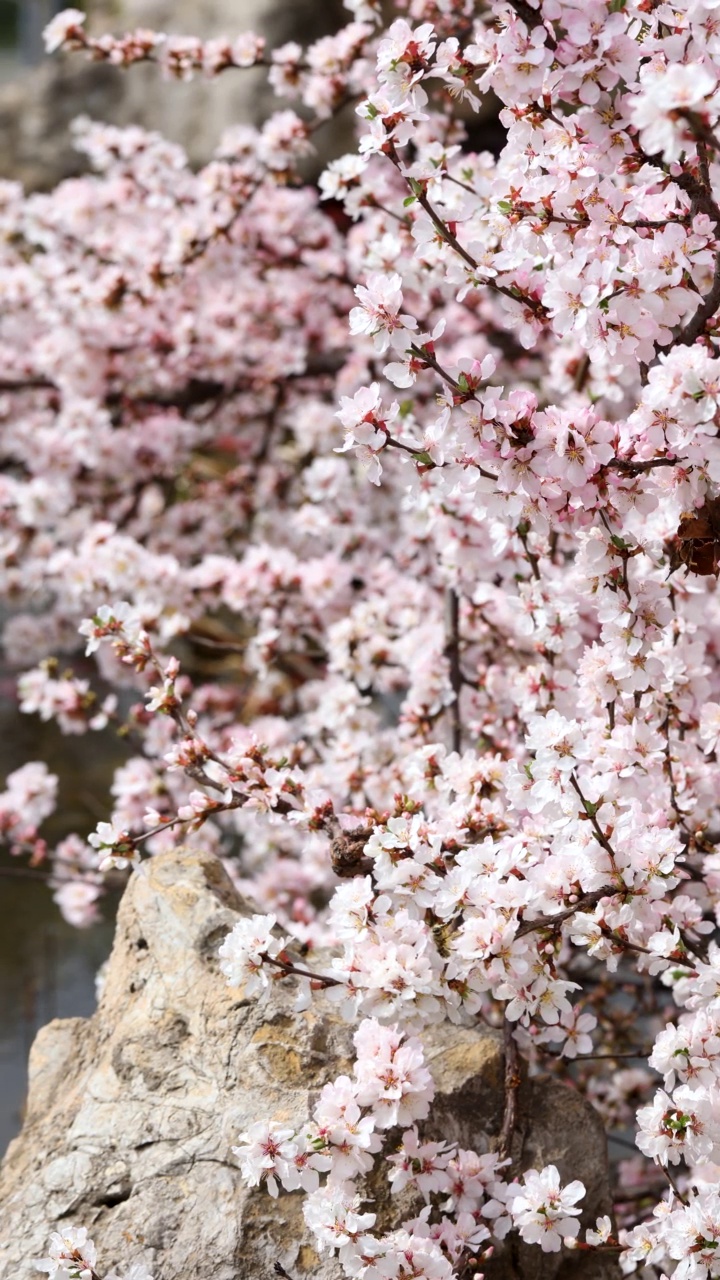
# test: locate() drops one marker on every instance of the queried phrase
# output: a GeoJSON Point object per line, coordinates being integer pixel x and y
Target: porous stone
{"type": "Point", "coordinates": [132, 1113]}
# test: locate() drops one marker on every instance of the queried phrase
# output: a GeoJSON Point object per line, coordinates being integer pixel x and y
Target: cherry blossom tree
{"type": "Point", "coordinates": [390, 514]}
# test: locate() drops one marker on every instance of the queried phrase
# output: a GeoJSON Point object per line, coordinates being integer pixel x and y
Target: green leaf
{"type": "Point", "coordinates": [409, 200]}
{"type": "Point", "coordinates": [505, 206]}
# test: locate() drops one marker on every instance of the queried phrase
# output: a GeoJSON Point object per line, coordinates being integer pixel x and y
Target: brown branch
{"type": "Point", "coordinates": [533, 560]}
{"type": "Point", "coordinates": [27, 384]}
{"type": "Point", "coordinates": [289, 969]}
{"type": "Point", "coordinates": [591, 1057]}
{"type": "Point", "coordinates": [532, 19]}
{"type": "Point", "coordinates": [30, 873]}
{"type": "Point", "coordinates": [419, 454]}
{"type": "Point", "coordinates": [704, 160]}
{"type": "Point", "coordinates": [636, 468]}
{"type": "Point", "coordinates": [623, 944]}
{"type": "Point", "coordinates": [701, 198]}
{"type": "Point", "coordinates": [642, 224]}
{"type": "Point", "coordinates": [452, 653]}
{"type": "Point", "coordinates": [440, 226]}
{"type": "Point", "coordinates": [581, 373]}
{"type": "Point", "coordinates": [590, 811]}
{"type": "Point", "coordinates": [587, 901]}
{"type": "Point", "coordinates": [668, 767]}
{"type": "Point", "coordinates": [451, 239]}
{"type": "Point", "coordinates": [667, 1174]}
{"type": "Point", "coordinates": [709, 305]}
{"type": "Point", "coordinates": [420, 353]}
{"type": "Point", "coordinates": [512, 1079]}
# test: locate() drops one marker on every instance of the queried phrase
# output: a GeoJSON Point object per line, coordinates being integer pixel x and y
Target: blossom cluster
{"type": "Point", "coordinates": [383, 522]}
{"type": "Point", "coordinates": [73, 1256]}
{"type": "Point", "coordinates": [391, 1086]}
{"type": "Point", "coordinates": [323, 77]}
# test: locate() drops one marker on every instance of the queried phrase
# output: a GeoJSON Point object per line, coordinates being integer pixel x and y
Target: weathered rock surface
{"type": "Point", "coordinates": [132, 1113]}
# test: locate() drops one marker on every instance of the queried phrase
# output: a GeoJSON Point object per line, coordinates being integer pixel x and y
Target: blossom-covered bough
{"type": "Point", "coordinates": [391, 513]}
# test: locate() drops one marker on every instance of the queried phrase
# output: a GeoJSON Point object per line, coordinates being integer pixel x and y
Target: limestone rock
{"type": "Point", "coordinates": [132, 1113]}
{"type": "Point", "coordinates": [36, 112]}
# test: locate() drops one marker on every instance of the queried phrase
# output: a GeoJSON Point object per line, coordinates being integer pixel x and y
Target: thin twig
{"type": "Point", "coordinates": [667, 1174]}
{"type": "Point", "coordinates": [533, 560]}
{"type": "Point", "coordinates": [581, 373]}
{"type": "Point", "coordinates": [290, 969]}
{"type": "Point", "coordinates": [590, 810]}
{"type": "Point", "coordinates": [588, 900]}
{"type": "Point", "coordinates": [420, 353]}
{"type": "Point", "coordinates": [440, 226]}
{"type": "Point", "coordinates": [31, 873]}
{"type": "Point", "coordinates": [590, 1057]}
{"type": "Point", "coordinates": [709, 305]}
{"type": "Point", "coordinates": [532, 19]}
{"type": "Point", "coordinates": [512, 1084]}
{"type": "Point", "coordinates": [452, 653]}
{"type": "Point", "coordinates": [636, 468]}
{"type": "Point", "coordinates": [27, 384]}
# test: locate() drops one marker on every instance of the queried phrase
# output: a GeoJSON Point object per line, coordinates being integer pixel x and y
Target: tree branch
{"type": "Point", "coordinates": [512, 1079]}
{"type": "Point", "coordinates": [586, 902]}
{"type": "Point", "coordinates": [452, 653]}
{"type": "Point", "coordinates": [709, 305]}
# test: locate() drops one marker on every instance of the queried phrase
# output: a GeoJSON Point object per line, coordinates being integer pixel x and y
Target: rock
{"type": "Point", "coordinates": [555, 1125]}
{"type": "Point", "coordinates": [36, 112]}
{"type": "Point", "coordinates": [132, 1113]}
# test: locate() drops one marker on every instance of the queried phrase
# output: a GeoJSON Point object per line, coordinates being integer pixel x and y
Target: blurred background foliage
{"type": "Point", "coordinates": [47, 968]}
